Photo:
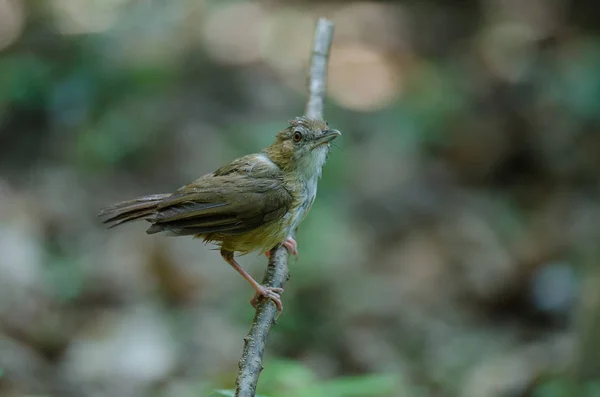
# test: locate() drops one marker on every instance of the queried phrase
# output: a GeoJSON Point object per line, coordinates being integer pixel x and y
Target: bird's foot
{"type": "Point", "coordinates": [273, 293]}
{"type": "Point", "coordinates": [290, 244]}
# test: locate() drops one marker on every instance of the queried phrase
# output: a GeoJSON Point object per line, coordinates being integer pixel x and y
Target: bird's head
{"type": "Point", "coordinates": [303, 146]}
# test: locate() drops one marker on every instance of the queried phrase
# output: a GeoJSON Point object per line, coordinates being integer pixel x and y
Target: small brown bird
{"type": "Point", "coordinates": [251, 204]}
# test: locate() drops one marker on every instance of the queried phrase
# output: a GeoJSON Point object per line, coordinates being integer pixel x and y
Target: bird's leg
{"type": "Point", "coordinates": [273, 293]}
{"type": "Point", "coordinates": [291, 246]}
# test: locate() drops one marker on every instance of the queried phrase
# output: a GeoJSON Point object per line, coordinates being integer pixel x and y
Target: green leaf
{"type": "Point", "coordinates": [281, 374]}
{"type": "Point", "coordinates": [592, 389]}
{"type": "Point", "coordinates": [353, 386]}
{"type": "Point", "coordinates": [222, 393]}
{"type": "Point", "coordinates": [557, 388]}
{"type": "Point", "coordinates": [226, 393]}
{"type": "Point", "coordinates": [24, 80]}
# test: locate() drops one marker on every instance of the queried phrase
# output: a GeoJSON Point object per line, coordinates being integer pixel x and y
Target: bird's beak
{"type": "Point", "coordinates": [327, 137]}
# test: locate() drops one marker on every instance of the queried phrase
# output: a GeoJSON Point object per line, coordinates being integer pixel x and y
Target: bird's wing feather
{"type": "Point", "coordinates": [231, 204]}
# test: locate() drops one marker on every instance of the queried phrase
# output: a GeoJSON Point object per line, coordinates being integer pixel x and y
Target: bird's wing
{"type": "Point", "coordinates": [228, 204]}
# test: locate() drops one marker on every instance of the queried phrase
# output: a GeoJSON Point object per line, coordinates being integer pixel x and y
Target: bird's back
{"type": "Point", "coordinates": [243, 206]}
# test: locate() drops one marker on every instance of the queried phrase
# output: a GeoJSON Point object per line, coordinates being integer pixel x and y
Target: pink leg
{"type": "Point", "coordinates": [273, 293]}
{"type": "Point", "coordinates": [290, 244]}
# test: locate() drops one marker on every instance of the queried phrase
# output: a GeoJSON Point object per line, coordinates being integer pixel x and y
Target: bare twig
{"type": "Point", "coordinates": [250, 364]}
{"type": "Point", "coordinates": [317, 78]}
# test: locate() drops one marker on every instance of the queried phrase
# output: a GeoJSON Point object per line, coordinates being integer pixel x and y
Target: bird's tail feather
{"type": "Point", "coordinates": [132, 210]}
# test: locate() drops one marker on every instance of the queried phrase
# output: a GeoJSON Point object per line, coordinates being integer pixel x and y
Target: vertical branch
{"type": "Point", "coordinates": [317, 78]}
{"type": "Point", "coordinates": [250, 364]}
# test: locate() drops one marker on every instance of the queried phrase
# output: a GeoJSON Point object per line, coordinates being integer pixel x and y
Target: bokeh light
{"type": "Point", "coordinates": [362, 78]}
{"type": "Point", "coordinates": [286, 39]}
{"type": "Point", "coordinates": [12, 18]}
{"type": "Point", "coordinates": [80, 17]}
{"type": "Point", "coordinates": [232, 32]}
{"type": "Point", "coordinates": [452, 250]}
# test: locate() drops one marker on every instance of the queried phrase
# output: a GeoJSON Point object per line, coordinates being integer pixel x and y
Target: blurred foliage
{"type": "Point", "coordinates": [291, 379]}
{"type": "Point", "coordinates": [559, 388]}
{"type": "Point", "coordinates": [453, 244]}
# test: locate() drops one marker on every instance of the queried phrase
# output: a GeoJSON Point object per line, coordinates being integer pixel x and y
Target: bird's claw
{"type": "Point", "coordinates": [273, 293]}
{"type": "Point", "coordinates": [290, 244]}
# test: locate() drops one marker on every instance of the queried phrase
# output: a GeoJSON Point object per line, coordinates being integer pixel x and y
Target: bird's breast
{"type": "Point", "coordinates": [303, 200]}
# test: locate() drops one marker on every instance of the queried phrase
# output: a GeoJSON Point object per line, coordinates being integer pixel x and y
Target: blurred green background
{"type": "Point", "coordinates": [452, 250]}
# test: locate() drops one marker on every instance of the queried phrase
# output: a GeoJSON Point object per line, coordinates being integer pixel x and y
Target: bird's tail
{"type": "Point", "coordinates": [132, 210]}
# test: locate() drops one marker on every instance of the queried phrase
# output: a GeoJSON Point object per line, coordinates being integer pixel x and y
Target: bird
{"type": "Point", "coordinates": [252, 204]}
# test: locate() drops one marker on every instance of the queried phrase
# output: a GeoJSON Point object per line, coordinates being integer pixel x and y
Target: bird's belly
{"type": "Point", "coordinates": [267, 236]}
{"type": "Point", "coordinates": [261, 239]}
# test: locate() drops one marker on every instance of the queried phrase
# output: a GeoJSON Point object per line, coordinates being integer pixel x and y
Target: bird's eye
{"type": "Point", "coordinates": [297, 136]}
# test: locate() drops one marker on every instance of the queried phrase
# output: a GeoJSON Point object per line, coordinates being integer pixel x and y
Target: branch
{"type": "Point", "coordinates": [250, 364]}
{"type": "Point", "coordinates": [317, 78]}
